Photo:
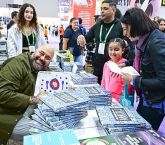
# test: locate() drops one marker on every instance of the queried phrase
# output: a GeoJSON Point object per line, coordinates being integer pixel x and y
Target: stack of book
{"type": "Point", "coordinates": [119, 119]}
{"type": "Point", "coordinates": [54, 66]}
{"type": "Point", "coordinates": [59, 111]}
{"type": "Point", "coordinates": [98, 96]}
{"type": "Point", "coordinates": [62, 56]}
{"type": "Point", "coordinates": [3, 51]}
{"type": "Point", "coordinates": [68, 66]}
{"type": "Point", "coordinates": [84, 78]}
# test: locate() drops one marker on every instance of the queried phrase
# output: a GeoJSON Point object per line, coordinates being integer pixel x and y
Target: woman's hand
{"type": "Point", "coordinates": [127, 78]}
{"type": "Point", "coordinates": [81, 40]}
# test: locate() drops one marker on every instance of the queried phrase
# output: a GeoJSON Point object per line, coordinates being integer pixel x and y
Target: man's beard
{"type": "Point", "coordinates": [38, 67]}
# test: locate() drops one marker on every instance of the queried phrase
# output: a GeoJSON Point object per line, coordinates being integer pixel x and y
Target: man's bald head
{"type": "Point", "coordinates": [48, 49]}
{"type": "Point", "coordinates": [42, 57]}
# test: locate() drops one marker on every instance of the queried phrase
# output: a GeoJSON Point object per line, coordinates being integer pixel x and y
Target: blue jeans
{"type": "Point", "coordinates": [78, 59]}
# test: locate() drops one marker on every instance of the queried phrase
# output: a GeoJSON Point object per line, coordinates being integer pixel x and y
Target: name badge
{"type": "Point", "coordinates": [101, 48]}
{"type": "Point", "coordinates": [32, 48]}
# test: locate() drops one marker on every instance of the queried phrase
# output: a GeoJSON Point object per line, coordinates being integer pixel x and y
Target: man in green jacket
{"type": "Point", "coordinates": [17, 84]}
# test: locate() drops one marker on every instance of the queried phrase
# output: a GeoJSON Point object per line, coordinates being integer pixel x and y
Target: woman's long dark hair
{"type": "Point", "coordinates": [21, 19]}
{"type": "Point", "coordinates": [140, 23]}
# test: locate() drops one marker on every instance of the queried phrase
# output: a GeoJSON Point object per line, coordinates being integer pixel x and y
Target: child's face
{"type": "Point", "coordinates": [115, 51]}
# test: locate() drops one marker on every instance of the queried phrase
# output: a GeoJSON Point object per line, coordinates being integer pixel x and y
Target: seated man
{"type": "Point", "coordinates": [17, 83]}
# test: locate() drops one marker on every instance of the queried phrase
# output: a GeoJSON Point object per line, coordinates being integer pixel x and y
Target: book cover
{"type": "Point", "coordinates": [51, 82]}
{"type": "Point", "coordinates": [147, 137]}
{"type": "Point", "coordinates": [61, 137]}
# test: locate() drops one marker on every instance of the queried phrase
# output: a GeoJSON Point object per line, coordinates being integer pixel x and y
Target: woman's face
{"type": "Point", "coordinates": [28, 14]}
{"type": "Point", "coordinates": [127, 32]}
{"type": "Point", "coordinates": [75, 24]}
{"type": "Point", "coordinates": [162, 25]}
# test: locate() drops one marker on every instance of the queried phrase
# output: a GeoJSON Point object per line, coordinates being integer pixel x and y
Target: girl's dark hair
{"type": "Point", "coordinates": [124, 44]}
{"type": "Point", "coordinates": [21, 19]}
{"type": "Point", "coordinates": [140, 23]}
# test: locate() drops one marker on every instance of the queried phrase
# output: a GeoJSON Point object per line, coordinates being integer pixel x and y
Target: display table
{"type": "Point", "coordinates": [89, 126]}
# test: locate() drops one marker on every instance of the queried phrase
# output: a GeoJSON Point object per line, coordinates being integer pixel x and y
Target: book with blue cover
{"type": "Point", "coordinates": [63, 101]}
{"type": "Point", "coordinates": [61, 137]}
{"type": "Point", "coordinates": [115, 118]}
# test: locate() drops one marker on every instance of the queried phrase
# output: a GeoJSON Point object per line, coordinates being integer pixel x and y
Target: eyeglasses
{"type": "Point", "coordinates": [75, 22]}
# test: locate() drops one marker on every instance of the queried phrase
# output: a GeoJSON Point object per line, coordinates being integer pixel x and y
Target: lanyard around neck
{"type": "Point", "coordinates": [28, 37]}
{"type": "Point", "coordinates": [109, 31]}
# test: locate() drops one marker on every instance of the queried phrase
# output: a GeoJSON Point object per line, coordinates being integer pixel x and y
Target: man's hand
{"type": "Point", "coordinates": [81, 40]}
{"type": "Point", "coordinates": [35, 99]}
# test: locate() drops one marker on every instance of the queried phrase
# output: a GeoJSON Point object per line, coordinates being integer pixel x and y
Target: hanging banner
{"type": "Point", "coordinates": [65, 10]}
{"type": "Point", "coordinates": [85, 9]}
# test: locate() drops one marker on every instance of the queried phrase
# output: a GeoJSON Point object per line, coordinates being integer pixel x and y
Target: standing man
{"type": "Point", "coordinates": [18, 77]}
{"type": "Point", "coordinates": [14, 16]}
{"type": "Point", "coordinates": [102, 32]}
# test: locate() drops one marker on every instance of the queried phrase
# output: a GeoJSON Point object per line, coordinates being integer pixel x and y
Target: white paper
{"type": "Point", "coordinates": [128, 69]}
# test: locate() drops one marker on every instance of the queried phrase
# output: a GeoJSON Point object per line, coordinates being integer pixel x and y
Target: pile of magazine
{"type": "Point", "coordinates": [119, 119]}
{"type": "Point", "coordinates": [59, 111]}
{"type": "Point", "coordinates": [3, 52]}
{"type": "Point", "coordinates": [98, 96]}
{"type": "Point", "coordinates": [68, 66]}
{"type": "Point", "coordinates": [84, 78]}
{"type": "Point", "coordinates": [62, 56]}
{"type": "Point", "coordinates": [54, 66]}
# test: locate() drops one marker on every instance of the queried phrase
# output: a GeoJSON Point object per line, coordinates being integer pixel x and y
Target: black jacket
{"type": "Point", "coordinates": [153, 67]}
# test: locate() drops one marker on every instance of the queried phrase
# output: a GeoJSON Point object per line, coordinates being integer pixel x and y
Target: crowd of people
{"type": "Point", "coordinates": [133, 40]}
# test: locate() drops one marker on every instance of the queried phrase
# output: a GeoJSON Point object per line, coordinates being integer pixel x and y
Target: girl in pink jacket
{"type": "Point", "coordinates": [112, 82]}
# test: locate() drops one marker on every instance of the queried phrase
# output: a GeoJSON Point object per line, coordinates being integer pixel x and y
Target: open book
{"type": "Point", "coordinates": [128, 69]}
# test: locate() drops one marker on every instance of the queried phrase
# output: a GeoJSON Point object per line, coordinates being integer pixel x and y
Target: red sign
{"type": "Point", "coordinates": [85, 9]}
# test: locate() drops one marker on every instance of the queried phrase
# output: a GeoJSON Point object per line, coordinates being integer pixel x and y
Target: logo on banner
{"type": "Point", "coordinates": [54, 84]}
{"type": "Point", "coordinates": [163, 2]}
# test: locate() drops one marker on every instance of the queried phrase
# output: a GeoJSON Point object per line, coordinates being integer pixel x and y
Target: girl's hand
{"type": "Point", "coordinates": [122, 65]}
{"type": "Point", "coordinates": [127, 78]}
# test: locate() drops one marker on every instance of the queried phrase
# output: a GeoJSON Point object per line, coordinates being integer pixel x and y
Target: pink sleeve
{"type": "Point", "coordinates": [103, 76]}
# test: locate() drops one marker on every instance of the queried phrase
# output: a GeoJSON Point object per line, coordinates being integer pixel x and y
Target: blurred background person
{"type": "Point", "coordinates": [27, 35]}
{"type": "Point", "coordinates": [14, 16]}
{"type": "Point", "coordinates": [161, 24]}
{"type": "Point", "coordinates": [70, 40]}
{"type": "Point", "coordinates": [83, 29]}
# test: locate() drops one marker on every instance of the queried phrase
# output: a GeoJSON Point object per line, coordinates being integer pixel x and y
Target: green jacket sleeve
{"type": "Point", "coordinates": [11, 76]}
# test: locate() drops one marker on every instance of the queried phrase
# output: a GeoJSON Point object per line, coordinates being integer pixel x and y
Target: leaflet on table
{"type": "Point", "coordinates": [128, 69]}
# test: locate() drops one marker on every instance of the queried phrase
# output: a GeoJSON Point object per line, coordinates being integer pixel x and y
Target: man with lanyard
{"type": "Point", "coordinates": [108, 28]}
